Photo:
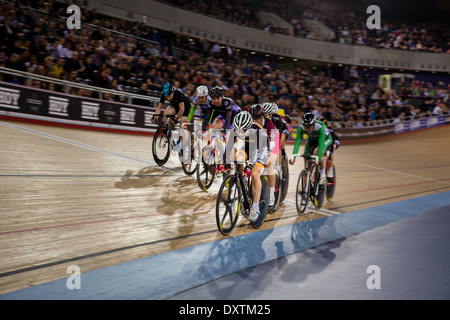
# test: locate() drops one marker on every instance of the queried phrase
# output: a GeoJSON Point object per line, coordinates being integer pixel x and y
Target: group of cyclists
{"type": "Point", "coordinates": [259, 134]}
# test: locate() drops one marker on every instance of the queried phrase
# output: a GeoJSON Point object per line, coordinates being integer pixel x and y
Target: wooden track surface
{"type": "Point", "coordinates": [65, 197]}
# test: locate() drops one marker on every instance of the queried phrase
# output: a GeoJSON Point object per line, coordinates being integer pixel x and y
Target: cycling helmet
{"type": "Point", "coordinates": [308, 119]}
{"type": "Point", "coordinates": [168, 89]}
{"type": "Point", "coordinates": [257, 111]}
{"type": "Point", "coordinates": [275, 107]}
{"type": "Point", "coordinates": [323, 120]}
{"type": "Point", "coordinates": [243, 120]}
{"type": "Point", "coordinates": [201, 91]}
{"type": "Point", "coordinates": [269, 108]}
{"type": "Point", "coordinates": [216, 92]}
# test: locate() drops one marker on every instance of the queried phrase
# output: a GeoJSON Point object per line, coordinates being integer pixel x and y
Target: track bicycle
{"type": "Point", "coordinates": [164, 144]}
{"type": "Point", "coordinates": [208, 164]}
{"type": "Point", "coordinates": [308, 184]}
{"type": "Point", "coordinates": [190, 157]}
{"type": "Point", "coordinates": [236, 196]}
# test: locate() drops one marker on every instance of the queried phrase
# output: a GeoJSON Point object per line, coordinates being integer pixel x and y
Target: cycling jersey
{"type": "Point", "coordinates": [225, 112]}
{"type": "Point", "coordinates": [198, 109]}
{"type": "Point", "coordinates": [281, 124]}
{"type": "Point", "coordinates": [178, 97]}
{"type": "Point", "coordinates": [319, 137]}
{"type": "Point", "coordinates": [336, 140]}
{"type": "Point", "coordinates": [255, 145]}
{"type": "Point", "coordinates": [274, 136]}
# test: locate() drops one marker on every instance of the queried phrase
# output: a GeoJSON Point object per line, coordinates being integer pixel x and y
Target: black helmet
{"type": "Point", "coordinates": [216, 92]}
{"type": "Point", "coordinates": [323, 120]}
{"type": "Point", "coordinates": [308, 119]}
{"type": "Point", "coordinates": [257, 111]}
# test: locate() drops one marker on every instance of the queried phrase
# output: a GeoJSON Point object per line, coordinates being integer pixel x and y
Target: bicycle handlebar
{"type": "Point", "coordinates": [306, 156]}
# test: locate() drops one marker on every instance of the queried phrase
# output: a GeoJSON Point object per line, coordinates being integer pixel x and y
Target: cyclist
{"type": "Point", "coordinates": [179, 103]}
{"type": "Point", "coordinates": [200, 103]}
{"type": "Point", "coordinates": [336, 143]}
{"type": "Point", "coordinates": [221, 111]}
{"type": "Point", "coordinates": [255, 147]}
{"type": "Point", "coordinates": [219, 116]}
{"type": "Point", "coordinates": [270, 108]}
{"type": "Point", "coordinates": [280, 121]}
{"type": "Point", "coordinates": [318, 141]}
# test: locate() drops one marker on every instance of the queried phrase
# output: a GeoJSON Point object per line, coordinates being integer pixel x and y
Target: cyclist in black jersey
{"type": "Point", "coordinates": [280, 121]}
{"type": "Point", "coordinates": [274, 136]}
{"type": "Point", "coordinates": [221, 111]}
{"type": "Point", "coordinates": [255, 147]}
{"type": "Point", "coordinates": [180, 104]}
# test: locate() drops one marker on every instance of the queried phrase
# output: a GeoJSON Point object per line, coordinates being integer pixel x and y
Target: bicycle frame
{"type": "Point", "coordinates": [310, 189]}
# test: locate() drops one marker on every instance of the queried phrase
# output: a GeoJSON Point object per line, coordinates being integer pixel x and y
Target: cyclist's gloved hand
{"type": "Point", "coordinates": [292, 161]}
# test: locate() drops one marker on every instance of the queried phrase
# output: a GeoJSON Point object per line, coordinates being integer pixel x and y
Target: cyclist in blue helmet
{"type": "Point", "coordinates": [179, 103]}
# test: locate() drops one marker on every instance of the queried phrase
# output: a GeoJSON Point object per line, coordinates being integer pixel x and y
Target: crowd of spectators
{"type": "Point", "coordinates": [98, 56]}
{"type": "Point", "coordinates": [347, 22]}
{"type": "Point", "coordinates": [399, 33]}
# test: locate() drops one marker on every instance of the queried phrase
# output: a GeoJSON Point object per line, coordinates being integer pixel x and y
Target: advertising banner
{"type": "Point", "coordinates": [63, 106]}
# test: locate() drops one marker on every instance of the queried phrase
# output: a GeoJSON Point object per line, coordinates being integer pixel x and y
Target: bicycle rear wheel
{"type": "Point", "coordinates": [206, 168]}
{"type": "Point", "coordinates": [228, 205]}
{"type": "Point", "coordinates": [274, 208]}
{"type": "Point", "coordinates": [331, 185]}
{"type": "Point", "coordinates": [302, 193]}
{"type": "Point", "coordinates": [285, 179]}
{"type": "Point", "coordinates": [161, 146]}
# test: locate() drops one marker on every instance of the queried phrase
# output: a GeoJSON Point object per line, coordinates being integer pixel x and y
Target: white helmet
{"type": "Point", "coordinates": [275, 107]}
{"type": "Point", "coordinates": [269, 108]}
{"type": "Point", "coordinates": [243, 120]}
{"type": "Point", "coordinates": [201, 91]}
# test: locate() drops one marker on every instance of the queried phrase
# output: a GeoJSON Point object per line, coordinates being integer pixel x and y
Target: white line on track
{"type": "Point", "coordinates": [83, 145]}
{"type": "Point", "coordinates": [403, 173]}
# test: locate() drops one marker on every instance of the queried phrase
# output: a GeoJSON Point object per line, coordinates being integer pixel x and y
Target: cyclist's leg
{"type": "Point", "coordinates": [256, 181]}
{"type": "Point", "coordinates": [270, 173]}
{"type": "Point", "coordinates": [334, 147]}
{"type": "Point", "coordinates": [169, 111]}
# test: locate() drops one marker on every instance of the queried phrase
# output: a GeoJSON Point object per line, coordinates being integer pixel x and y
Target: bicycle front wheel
{"type": "Point", "coordinates": [228, 205]}
{"type": "Point", "coordinates": [206, 168]}
{"type": "Point", "coordinates": [161, 146]}
{"type": "Point", "coordinates": [317, 191]}
{"type": "Point", "coordinates": [301, 195]}
{"type": "Point", "coordinates": [263, 203]}
{"type": "Point", "coordinates": [190, 159]}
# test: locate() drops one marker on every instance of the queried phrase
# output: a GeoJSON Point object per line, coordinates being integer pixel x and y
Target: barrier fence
{"type": "Point", "coordinates": [22, 102]}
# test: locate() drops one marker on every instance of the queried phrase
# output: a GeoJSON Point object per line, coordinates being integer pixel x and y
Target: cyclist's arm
{"type": "Point", "coordinates": [227, 119]}
{"type": "Point", "coordinates": [208, 117]}
{"type": "Point", "coordinates": [191, 113]}
{"type": "Point", "coordinates": [298, 140]}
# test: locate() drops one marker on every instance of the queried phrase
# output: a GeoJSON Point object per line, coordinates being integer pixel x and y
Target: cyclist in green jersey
{"type": "Point", "coordinates": [318, 142]}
